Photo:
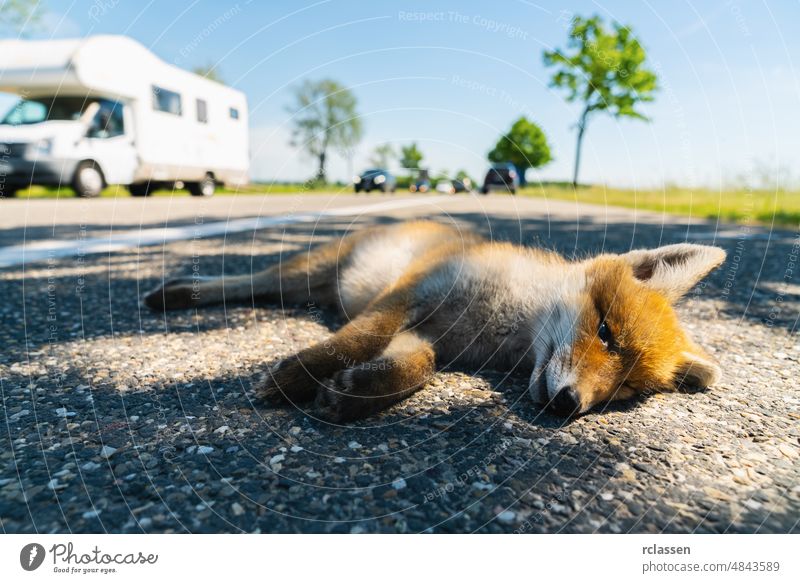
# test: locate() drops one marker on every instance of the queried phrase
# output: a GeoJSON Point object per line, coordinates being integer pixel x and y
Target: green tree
{"type": "Point", "coordinates": [525, 146]}
{"type": "Point", "coordinates": [604, 70]}
{"type": "Point", "coordinates": [324, 116]}
{"type": "Point", "coordinates": [464, 177]}
{"type": "Point", "coordinates": [20, 15]}
{"type": "Point", "coordinates": [410, 157]}
{"type": "Point", "coordinates": [209, 71]}
{"type": "Point", "coordinates": [382, 156]}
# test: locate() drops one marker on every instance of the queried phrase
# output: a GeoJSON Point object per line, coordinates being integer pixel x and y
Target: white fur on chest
{"type": "Point", "coordinates": [479, 308]}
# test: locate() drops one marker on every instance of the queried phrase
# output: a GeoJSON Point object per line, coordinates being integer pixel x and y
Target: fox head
{"type": "Point", "coordinates": [613, 334]}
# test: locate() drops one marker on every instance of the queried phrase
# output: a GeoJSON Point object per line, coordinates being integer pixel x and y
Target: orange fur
{"type": "Point", "coordinates": [421, 291]}
{"type": "Point", "coordinates": [649, 341]}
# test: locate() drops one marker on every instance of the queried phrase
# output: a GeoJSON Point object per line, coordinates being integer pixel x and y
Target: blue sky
{"type": "Point", "coordinates": [453, 75]}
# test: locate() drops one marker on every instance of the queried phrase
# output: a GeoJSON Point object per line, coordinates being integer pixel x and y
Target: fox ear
{"type": "Point", "coordinates": [696, 372]}
{"type": "Point", "coordinates": [674, 269]}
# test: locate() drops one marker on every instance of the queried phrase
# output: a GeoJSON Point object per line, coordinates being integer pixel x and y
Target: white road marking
{"type": "Point", "coordinates": [52, 249]}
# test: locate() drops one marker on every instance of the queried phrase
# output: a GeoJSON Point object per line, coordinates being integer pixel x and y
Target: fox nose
{"type": "Point", "coordinates": [565, 403]}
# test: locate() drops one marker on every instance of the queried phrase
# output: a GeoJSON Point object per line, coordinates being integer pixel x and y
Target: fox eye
{"type": "Point", "coordinates": [604, 333]}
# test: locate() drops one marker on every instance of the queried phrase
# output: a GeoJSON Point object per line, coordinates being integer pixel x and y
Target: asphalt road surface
{"type": "Point", "coordinates": [117, 419]}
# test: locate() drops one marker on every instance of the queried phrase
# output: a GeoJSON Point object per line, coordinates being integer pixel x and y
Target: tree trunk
{"type": "Point", "coordinates": [321, 171]}
{"type": "Point", "coordinates": [581, 129]}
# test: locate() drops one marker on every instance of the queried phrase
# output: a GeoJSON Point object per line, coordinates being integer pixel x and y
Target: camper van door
{"type": "Point", "coordinates": [110, 141]}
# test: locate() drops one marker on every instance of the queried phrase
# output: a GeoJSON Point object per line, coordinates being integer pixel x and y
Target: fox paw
{"type": "Point", "coordinates": [288, 380]}
{"type": "Point", "coordinates": [339, 400]}
{"type": "Point", "coordinates": [175, 294]}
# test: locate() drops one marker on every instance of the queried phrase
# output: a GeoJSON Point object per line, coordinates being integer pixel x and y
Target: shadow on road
{"type": "Point", "coordinates": [453, 463]}
{"type": "Point", "coordinates": [759, 282]}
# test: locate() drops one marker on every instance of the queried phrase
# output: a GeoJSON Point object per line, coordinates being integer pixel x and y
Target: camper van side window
{"type": "Point", "coordinates": [234, 113]}
{"type": "Point", "coordinates": [202, 111]}
{"type": "Point", "coordinates": [167, 101]}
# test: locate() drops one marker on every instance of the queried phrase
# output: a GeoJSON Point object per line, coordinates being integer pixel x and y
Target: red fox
{"type": "Point", "coordinates": [414, 294]}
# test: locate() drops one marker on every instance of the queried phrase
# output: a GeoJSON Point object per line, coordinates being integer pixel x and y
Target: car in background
{"type": "Point", "coordinates": [420, 185]}
{"type": "Point", "coordinates": [501, 176]}
{"type": "Point", "coordinates": [375, 179]}
{"type": "Point", "coordinates": [463, 185]}
{"type": "Point", "coordinates": [445, 187]}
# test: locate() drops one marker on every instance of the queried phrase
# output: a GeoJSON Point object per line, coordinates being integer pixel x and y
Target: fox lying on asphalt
{"type": "Point", "coordinates": [414, 294]}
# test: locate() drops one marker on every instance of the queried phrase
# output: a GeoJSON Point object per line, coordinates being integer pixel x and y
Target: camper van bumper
{"type": "Point", "coordinates": [52, 172]}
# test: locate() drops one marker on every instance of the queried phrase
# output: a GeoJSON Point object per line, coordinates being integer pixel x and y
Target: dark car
{"type": "Point", "coordinates": [501, 176]}
{"type": "Point", "coordinates": [462, 185]}
{"type": "Point", "coordinates": [375, 179]}
{"type": "Point", "coordinates": [420, 185]}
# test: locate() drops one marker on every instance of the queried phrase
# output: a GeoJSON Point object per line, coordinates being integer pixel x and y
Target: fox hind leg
{"type": "Point", "coordinates": [306, 276]}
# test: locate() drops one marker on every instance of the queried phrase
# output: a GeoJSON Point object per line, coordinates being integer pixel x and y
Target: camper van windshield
{"type": "Point", "coordinates": [29, 111]}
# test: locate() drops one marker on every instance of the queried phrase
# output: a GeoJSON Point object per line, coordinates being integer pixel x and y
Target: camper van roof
{"type": "Point", "coordinates": [31, 55]}
{"type": "Point", "coordinates": [20, 54]}
{"type": "Point", "coordinates": [112, 64]}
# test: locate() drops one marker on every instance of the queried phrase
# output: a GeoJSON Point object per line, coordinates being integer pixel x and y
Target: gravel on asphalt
{"type": "Point", "coordinates": [117, 419]}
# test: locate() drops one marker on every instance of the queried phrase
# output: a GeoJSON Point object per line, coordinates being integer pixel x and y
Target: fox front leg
{"type": "Point", "coordinates": [296, 378]}
{"type": "Point", "coordinates": [406, 364]}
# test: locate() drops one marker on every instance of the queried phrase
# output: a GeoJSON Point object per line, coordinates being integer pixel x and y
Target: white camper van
{"type": "Point", "coordinates": [105, 110]}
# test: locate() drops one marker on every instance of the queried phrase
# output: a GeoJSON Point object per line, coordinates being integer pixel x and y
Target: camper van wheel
{"type": "Point", "coordinates": [88, 181]}
{"type": "Point", "coordinates": [9, 191]}
{"type": "Point", "coordinates": [141, 189]}
{"type": "Point", "coordinates": [205, 187]}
